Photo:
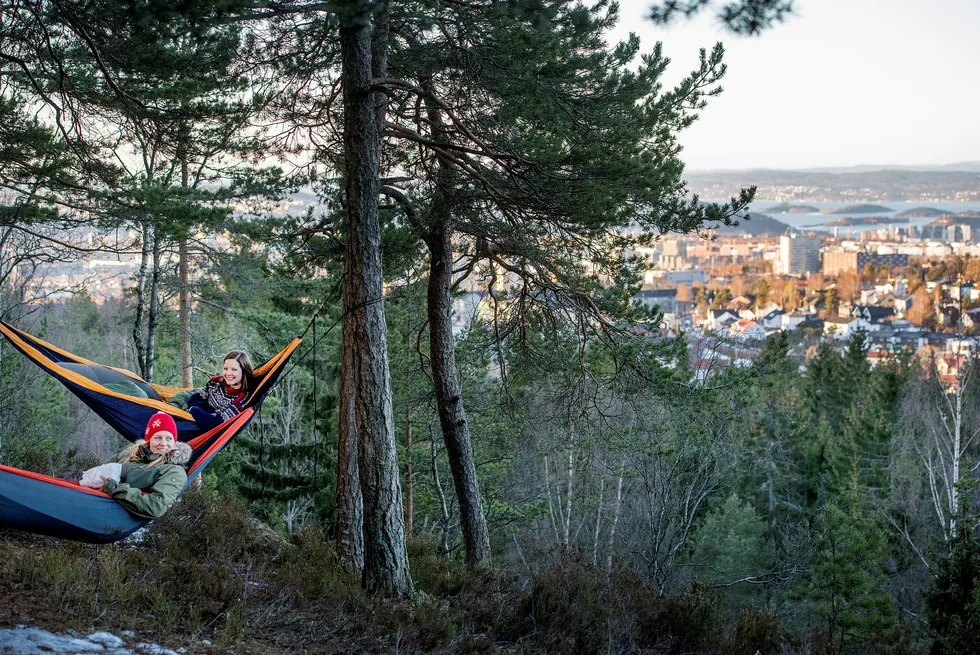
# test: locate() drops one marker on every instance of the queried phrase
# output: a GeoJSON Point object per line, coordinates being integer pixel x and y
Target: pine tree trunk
{"type": "Point", "coordinates": [184, 300]}
{"type": "Point", "coordinates": [154, 313]}
{"type": "Point", "coordinates": [449, 399]}
{"type": "Point", "coordinates": [386, 568]}
{"type": "Point", "coordinates": [138, 341]}
{"type": "Point", "coordinates": [350, 508]}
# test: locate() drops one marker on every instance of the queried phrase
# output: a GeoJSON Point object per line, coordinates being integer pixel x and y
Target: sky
{"type": "Point", "coordinates": [840, 83]}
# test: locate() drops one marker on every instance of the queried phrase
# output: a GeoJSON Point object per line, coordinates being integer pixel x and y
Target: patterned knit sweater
{"type": "Point", "coordinates": [223, 400]}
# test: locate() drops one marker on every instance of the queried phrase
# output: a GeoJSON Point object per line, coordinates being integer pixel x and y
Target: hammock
{"type": "Point", "coordinates": [113, 393]}
{"type": "Point", "coordinates": [45, 505]}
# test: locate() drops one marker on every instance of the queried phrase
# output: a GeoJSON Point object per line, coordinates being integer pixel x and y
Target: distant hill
{"type": "Point", "coordinates": [916, 212]}
{"type": "Point", "coordinates": [859, 209]}
{"type": "Point", "coordinates": [959, 167]}
{"type": "Point", "coordinates": [757, 225]}
{"type": "Point", "coordinates": [794, 187]}
{"type": "Point", "coordinates": [786, 208]}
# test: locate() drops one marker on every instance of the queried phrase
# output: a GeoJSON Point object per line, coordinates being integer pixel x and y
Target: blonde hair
{"type": "Point", "coordinates": [134, 453]}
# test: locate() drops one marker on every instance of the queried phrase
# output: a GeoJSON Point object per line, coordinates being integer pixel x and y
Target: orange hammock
{"type": "Point", "coordinates": [108, 391]}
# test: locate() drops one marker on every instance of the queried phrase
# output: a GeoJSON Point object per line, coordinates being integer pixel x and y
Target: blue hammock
{"type": "Point", "coordinates": [123, 399]}
{"type": "Point", "coordinates": [59, 508]}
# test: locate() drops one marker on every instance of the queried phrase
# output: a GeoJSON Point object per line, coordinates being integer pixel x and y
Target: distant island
{"type": "Point", "coordinates": [859, 209]}
{"type": "Point", "coordinates": [756, 225]}
{"type": "Point", "coordinates": [917, 212]}
{"type": "Point", "coordinates": [865, 220]}
{"type": "Point", "coordinates": [786, 208]}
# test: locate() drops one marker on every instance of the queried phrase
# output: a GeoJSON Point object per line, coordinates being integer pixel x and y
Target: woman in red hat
{"type": "Point", "coordinates": [153, 471]}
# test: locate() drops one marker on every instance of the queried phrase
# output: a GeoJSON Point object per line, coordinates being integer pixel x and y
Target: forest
{"type": "Point", "coordinates": [483, 443]}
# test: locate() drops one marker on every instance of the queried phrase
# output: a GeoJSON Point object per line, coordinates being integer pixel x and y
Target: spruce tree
{"type": "Point", "coordinates": [952, 601]}
{"type": "Point", "coordinates": [846, 585]}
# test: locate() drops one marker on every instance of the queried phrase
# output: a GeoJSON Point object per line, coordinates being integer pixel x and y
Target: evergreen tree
{"type": "Point", "coordinates": [730, 547]}
{"type": "Point", "coordinates": [952, 601]}
{"type": "Point", "coordinates": [845, 587]}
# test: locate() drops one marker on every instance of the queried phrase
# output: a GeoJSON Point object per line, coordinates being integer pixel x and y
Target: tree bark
{"type": "Point", "coordinates": [386, 568]}
{"type": "Point", "coordinates": [184, 300]}
{"type": "Point", "coordinates": [350, 508]}
{"type": "Point", "coordinates": [138, 341]}
{"type": "Point", "coordinates": [449, 398]}
{"type": "Point", "coordinates": [154, 313]}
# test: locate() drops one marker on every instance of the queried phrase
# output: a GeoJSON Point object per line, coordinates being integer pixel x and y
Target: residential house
{"type": "Point", "coordinates": [719, 319]}
{"type": "Point", "coordinates": [743, 301]}
{"type": "Point", "coordinates": [902, 305]}
{"type": "Point", "coordinates": [767, 309]}
{"type": "Point", "coordinates": [747, 330]}
{"type": "Point", "coordinates": [842, 328]}
{"type": "Point", "coordinates": [948, 315]}
{"type": "Point", "coordinates": [872, 314]}
{"type": "Point", "coordinates": [963, 291]}
{"type": "Point", "coordinates": [970, 318]}
{"type": "Point", "coordinates": [793, 319]}
{"type": "Point", "coordinates": [773, 320]}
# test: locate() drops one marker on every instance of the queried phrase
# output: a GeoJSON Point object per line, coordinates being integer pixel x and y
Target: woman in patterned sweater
{"type": "Point", "coordinates": [223, 396]}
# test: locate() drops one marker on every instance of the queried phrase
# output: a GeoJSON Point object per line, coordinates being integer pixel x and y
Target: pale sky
{"type": "Point", "coordinates": [841, 83]}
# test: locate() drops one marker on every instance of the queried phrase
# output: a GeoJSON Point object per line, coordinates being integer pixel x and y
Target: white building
{"type": "Point", "coordinates": [798, 253]}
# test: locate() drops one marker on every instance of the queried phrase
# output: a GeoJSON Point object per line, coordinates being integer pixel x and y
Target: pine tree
{"type": "Point", "coordinates": [845, 587]}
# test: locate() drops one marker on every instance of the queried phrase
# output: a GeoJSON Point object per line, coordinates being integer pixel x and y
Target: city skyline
{"type": "Point", "coordinates": [839, 84]}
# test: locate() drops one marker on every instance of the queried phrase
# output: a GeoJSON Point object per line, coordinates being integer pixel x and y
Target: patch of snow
{"type": "Point", "coordinates": [107, 639]}
{"type": "Point", "coordinates": [34, 641]}
{"type": "Point", "coordinates": [153, 649]}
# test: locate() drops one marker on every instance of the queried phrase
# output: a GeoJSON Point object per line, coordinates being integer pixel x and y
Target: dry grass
{"type": "Point", "coordinates": [209, 571]}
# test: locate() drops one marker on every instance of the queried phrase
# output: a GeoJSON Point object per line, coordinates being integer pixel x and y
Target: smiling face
{"type": "Point", "coordinates": [162, 442]}
{"type": "Point", "coordinates": [232, 372]}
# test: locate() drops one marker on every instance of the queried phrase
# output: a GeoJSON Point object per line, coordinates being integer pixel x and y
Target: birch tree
{"type": "Point", "coordinates": [940, 415]}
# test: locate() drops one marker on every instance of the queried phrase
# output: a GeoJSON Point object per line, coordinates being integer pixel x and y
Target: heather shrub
{"type": "Point", "coordinates": [571, 607]}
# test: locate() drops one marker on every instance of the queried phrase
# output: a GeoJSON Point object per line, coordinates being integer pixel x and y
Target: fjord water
{"type": "Point", "coordinates": [818, 221]}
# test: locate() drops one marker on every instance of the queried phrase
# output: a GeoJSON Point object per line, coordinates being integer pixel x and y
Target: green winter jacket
{"type": "Point", "coordinates": [149, 491]}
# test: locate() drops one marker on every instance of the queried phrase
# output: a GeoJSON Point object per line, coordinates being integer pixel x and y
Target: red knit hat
{"type": "Point", "coordinates": [158, 423]}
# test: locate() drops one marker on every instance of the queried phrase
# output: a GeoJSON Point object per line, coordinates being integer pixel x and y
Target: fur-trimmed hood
{"type": "Point", "coordinates": [181, 454]}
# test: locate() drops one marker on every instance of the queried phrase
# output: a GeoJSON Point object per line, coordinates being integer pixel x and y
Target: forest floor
{"type": "Point", "coordinates": [208, 579]}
